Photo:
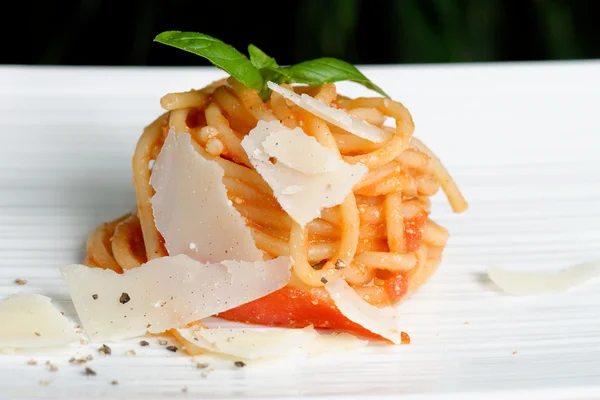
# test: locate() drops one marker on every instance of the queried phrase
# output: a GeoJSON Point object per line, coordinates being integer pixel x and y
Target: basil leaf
{"type": "Point", "coordinates": [260, 59]}
{"type": "Point", "coordinates": [328, 70]}
{"type": "Point", "coordinates": [273, 74]}
{"type": "Point", "coordinates": [220, 54]}
{"type": "Point", "coordinates": [277, 75]}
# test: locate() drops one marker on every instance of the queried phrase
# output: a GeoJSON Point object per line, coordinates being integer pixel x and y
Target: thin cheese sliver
{"type": "Point", "coordinates": [166, 293]}
{"type": "Point", "coordinates": [526, 283]}
{"type": "Point", "coordinates": [333, 343]}
{"type": "Point", "coordinates": [334, 116]}
{"type": "Point", "coordinates": [299, 151]}
{"type": "Point", "coordinates": [250, 343]}
{"type": "Point", "coordinates": [302, 195]}
{"type": "Point", "coordinates": [381, 321]}
{"type": "Point", "coordinates": [31, 321]}
{"type": "Point", "coordinates": [191, 209]}
{"type": "Point", "coordinates": [260, 343]}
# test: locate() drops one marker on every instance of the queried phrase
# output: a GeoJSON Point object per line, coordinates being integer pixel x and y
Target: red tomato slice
{"type": "Point", "coordinates": [294, 308]}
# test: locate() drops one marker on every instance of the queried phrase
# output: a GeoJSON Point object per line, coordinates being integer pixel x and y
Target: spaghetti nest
{"type": "Point", "coordinates": [380, 239]}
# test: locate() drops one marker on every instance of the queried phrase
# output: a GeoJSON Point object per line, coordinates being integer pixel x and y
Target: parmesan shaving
{"type": "Point", "coordinates": [299, 151]}
{"type": "Point", "coordinates": [523, 283]}
{"type": "Point", "coordinates": [254, 344]}
{"type": "Point", "coordinates": [333, 343]}
{"type": "Point", "coordinates": [381, 321]}
{"type": "Point", "coordinates": [249, 344]}
{"type": "Point", "coordinates": [302, 195]}
{"type": "Point", "coordinates": [30, 321]}
{"type": "Point", "coordinates": [334, 116]}
{"type": "Point", "coordinates": [191, 208]}
{"type": "Point", "coordinates": [166, 293]}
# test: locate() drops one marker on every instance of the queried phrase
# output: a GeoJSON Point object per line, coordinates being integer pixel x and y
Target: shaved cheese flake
{"type": "Point", "coordinates": [301, 195]}
{"type": "Point", "coordinates": [334, 116]}
{"type": "Point", "coordinates": [30, 321]}
{"type": "Point", "coordinates": [167, 292]}
{"type": "Point", "coordinates": [249, 344]}
{"type": "Point", "coordinates": [191, 208]}
{"type": "Point", "coordinates": [333, 343]}
{"type": "Point", "coordinates": [381, 321]}
{"type": "Point", "coordinates": [186, 345]}
{"type": "Point", "coordinates": [523, 283]}
{"type": "Point", "coordinates": [299, 151]}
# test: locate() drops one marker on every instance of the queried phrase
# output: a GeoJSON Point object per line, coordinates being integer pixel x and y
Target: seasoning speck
{"type": "Point", "coordinates": [239, 364]}
{"type": "Point", "coordinates": [53, 368]}
{"type": "Point", "coordinates": [124, 298]}
{"type": "Point", "coordinates": [324, 280]}
{"type": "Point", "coordinates": [144, 343]}
{"type": "Point", "coordinates": [21, 282]}
{"type": "Point", "coordinates": [37, 334]}
{"type": "Point", "coordinates": [184, 389]}
{"type": "Point", "coordinates": [172, 348]}
{"type": "Point", "coordinates": [83, 341]}
{"type": "Point", "coordinates": [95, 296]}
{"type": "Point", "coordinates": [89, 372]}
{"type": "Point", "coordinates": [340, 264]}
{"type": "Point", "coordinates": [31, 362]}
{"type": "Point", "coordinates": [202, 365]}
{"type": "Point", "coordinates": [515, 353]}
{"type": "Point", "coordinates": [162, 342]}
{"type": "Point", "coordinates": [130, 353]}
{"type": "Point", "coordinates": [114, 382]}
{"type": "Point", "coordinates": [466, 323]}
{"type": "Point", "coordinates": [89, 357]}
{"type": "Point", "coordinates": [105, 350]}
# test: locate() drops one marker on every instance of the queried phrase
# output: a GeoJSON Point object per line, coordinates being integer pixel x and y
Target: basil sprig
{"type": "Point", "coordinates": [220, 54]}
{"type": "Point", "coordinates": [328, 70]}
{"type": "Point", "coordinates": [260, 59]}
{"type": "Point", "coordinates": [261, 68]}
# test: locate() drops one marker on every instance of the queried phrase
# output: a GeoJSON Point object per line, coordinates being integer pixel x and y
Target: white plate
{"type": "Point", "coordinates": [521, 139]}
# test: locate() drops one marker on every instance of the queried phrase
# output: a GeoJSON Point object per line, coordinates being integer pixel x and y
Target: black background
{"type": "Point", "coordinates": [102, 32]}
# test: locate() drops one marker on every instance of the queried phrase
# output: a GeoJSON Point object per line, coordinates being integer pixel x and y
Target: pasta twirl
{"type": "Point", "coordinates": [380, 239]}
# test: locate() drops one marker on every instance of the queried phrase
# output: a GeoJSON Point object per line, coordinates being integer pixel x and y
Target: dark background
{"type": "Point", "coordinates": [103, 32]}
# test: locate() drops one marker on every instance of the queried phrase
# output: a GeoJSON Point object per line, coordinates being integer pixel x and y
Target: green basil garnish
{"type": "Point", "coordinates": [260, 59]}
{"type": "Point", "coordinates": [220, 54]}
{"type": "Point", "coordinates": [261, 68]}
{"type": "Point", "coordinates": [328, 70]}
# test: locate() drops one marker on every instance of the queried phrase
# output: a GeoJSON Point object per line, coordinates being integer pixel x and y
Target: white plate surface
{"type": "Point", "coordinates": [522, 140]}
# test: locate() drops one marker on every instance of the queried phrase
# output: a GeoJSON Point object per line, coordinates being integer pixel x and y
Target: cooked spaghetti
{"type": "Point", "coordinates": [380, 239]}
